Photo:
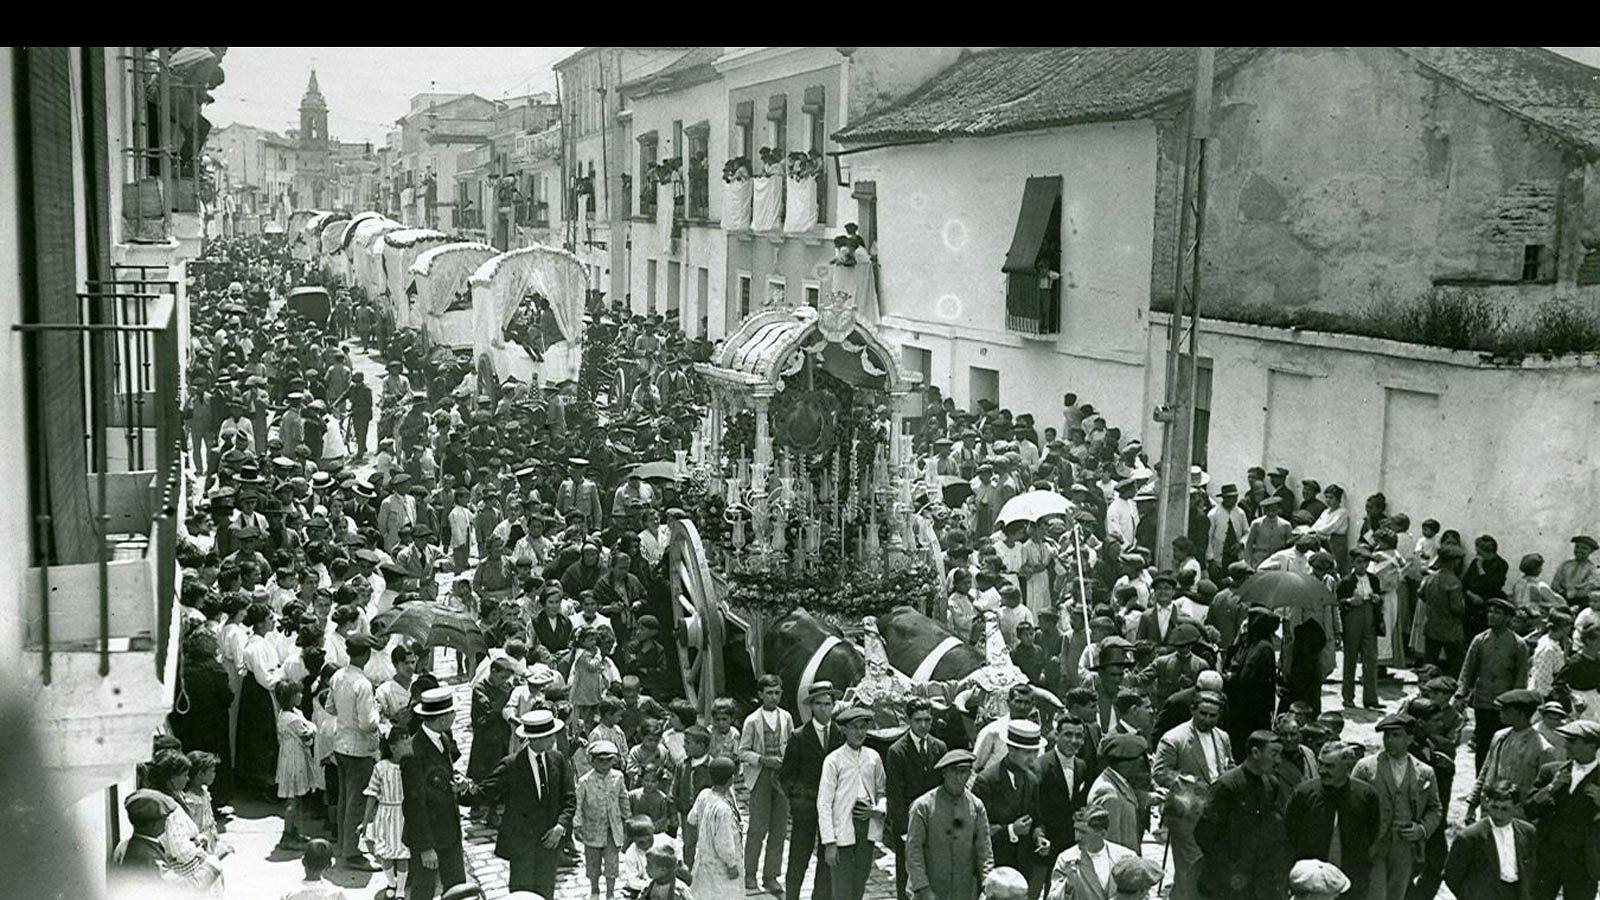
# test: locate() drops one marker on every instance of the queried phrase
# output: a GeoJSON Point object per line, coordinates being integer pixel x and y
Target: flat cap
{"type": "Point", "coordinates": [1317, 878]}
{"type": "Point", "coordinates": [1586, 541]}
{"type": "Point", "coordinates": [1581, 730]}
{"type": "Point", "coordinates": [854, 714]}
{"type": "Point", "coordinates": [955, 758]}
{"type": "Point", "coordinates": [1519, 697]}
{"type": "Point", "coordinates": [1135, 875]}
{"type": "Point", "coordinates": [1122, 746]}
{"type": "Point", "coordinates": [1393, 721]}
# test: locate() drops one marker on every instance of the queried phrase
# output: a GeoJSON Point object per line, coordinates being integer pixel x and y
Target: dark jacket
{"type": "Point", "coordinates": [1473, 866]}
{"type": "Point", "coordinates": [1309, 824]}
{"type": "Point", "coordinates": [909, 775]}
{"type": "Point", "coordinates": [802, 767]}
{"type": "Point", "coordinates": [1242, 836]}
{"type": "Point", "coordinates": [555, 638]}
{"type": "Point", "coordinates": [1565, 818]}
{"type": "Point", "coordinates": [1006, 804]}
{"type": "Point", "coordinates": [527, 815]}
{"type": "Point", "coordinates": [432, 817]}
{"type": "Point", "coordinates": [1057, 804]}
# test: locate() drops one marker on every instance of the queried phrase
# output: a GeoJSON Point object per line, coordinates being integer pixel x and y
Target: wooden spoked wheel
{"type": "Point", "coordinates": [698, 626]}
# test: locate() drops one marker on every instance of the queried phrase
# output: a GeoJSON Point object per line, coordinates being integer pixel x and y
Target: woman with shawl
{"type": "Point", "coordinates": [200, 717]}
{"type": "Point", "coordinates": [1252, 680]}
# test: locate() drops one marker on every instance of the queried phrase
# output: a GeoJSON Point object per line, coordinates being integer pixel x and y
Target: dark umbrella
{"type": "Point", "coordinates": [433, 624]}
{"type": "Point", "coordinates": [1282, 589]}
{"type": "Point", "coordinates": [955, 489]}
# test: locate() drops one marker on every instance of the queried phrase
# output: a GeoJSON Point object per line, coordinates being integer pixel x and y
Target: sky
{"type": "Point", "coordinates": [367, 88]}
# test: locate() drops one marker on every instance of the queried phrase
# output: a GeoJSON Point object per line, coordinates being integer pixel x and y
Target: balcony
{"type": "Point", "coordinates": [161, 194]}
{"type": "Point", "coordinates": [1033, 305]}
{"type": "Point", "coordinates": [99, 602]}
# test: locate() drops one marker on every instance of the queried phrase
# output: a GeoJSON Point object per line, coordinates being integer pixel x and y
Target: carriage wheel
{"type": "Point", "coordinates": [696, 616]}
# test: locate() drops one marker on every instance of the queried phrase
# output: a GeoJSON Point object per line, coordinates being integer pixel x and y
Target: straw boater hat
{"type": "Point", "coordinates": [542, 723]}
{"type": "Point", "coordinates": [435, 702]}
{"type": "Point", "coordinates": [1022, 734]}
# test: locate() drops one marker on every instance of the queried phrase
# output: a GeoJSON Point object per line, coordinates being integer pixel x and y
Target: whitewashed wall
{"type": "Point", "coordinates": [946, 214]}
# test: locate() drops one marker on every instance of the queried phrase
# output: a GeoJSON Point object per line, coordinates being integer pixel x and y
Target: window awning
{"type": "Point", "coordinates": [777, 106]}
{"type": "Point", "coordinates": [1039, 198]}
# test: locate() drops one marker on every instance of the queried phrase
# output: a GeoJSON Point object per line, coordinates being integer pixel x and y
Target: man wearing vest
{"type": "Point", "coordinates": [762, 741]}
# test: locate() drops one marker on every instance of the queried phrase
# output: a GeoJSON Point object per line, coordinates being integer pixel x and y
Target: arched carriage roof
{"type": "Point", "coordinates": [757, 353]}
{"type": "Point", "coordinates": [410, 237]}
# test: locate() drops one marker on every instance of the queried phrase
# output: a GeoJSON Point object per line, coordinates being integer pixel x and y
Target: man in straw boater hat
{"type": "Point", "coordinates": [808, 746]}
{"type": "Point", "coordinates": [537, 787]}
{"type": "Point", "coordinates": [947, 848]}
{"type": "Point", "coordinates": [1009, 790]}
{"type": "Point", "coordinates": [852, 801]}
{"type": "Point", "coordinates": [433, 798]}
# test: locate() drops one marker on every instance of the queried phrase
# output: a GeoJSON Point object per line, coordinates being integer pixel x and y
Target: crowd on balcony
{"type": "Point", "coordinates": [506, 522]}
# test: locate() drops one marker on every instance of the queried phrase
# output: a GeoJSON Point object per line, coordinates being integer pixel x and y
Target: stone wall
{"type": "Point", "coordinates": [1341, 177]}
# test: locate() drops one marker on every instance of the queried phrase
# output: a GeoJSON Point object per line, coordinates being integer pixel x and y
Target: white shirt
{"type": "Point", "coordinates": [1210, 748]}
{"type": "Point", "coordinates": [849, 775]}
{"type": "Point", "coordinates": [261, 661]}
{"type": "Point", "coordinates": [1505, 846]}
{"type": "Point", "coordinates": [1101, 862]}
{"type": "Point", "coordinates": [534, 763]}
{"type": "Point", "coordinates": [355, 707]}
{"type": "Point", "coordinates": [1580, 771]}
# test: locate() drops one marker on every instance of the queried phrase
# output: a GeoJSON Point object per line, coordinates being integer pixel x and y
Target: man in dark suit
{"type": "Point", "coordinates": [801, 772]}
{"type": "Point", "coordinates": [1566, 796]}
{"type": "Point", "coordinates": [693, 776]}
{"type": "Point", "coordinates": [1009, 790]}
{"type": "Point", "coordinates": [431, 806]}
{"type": "Point", "coordinates": [537, 787]}
{"type": "Point", "coordinates": [1240, 832]}
{"type": "Point", "coordinates": [1180, 705]}
{"type": "Point", "coordinates": [1493, 858]}
{"type": "Point", "coordinates": [1063, 784]}
{"type": "Point", "coordinates": [1333, 796]}
{"type": "Point", "coordinates": [140, 860]}
{"type": "Point", "coordinates": [909, 773]}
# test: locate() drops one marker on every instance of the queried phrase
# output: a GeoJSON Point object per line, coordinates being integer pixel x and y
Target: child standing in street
{"type": "Point", "coordinates": [601, 809]}
{"type": "Point", "coordinates": [317, 859]}
{"type": "Point", "coordinates": [295, 734]}
{"type": "Point", "coordinates": [587, 681]}
{"type": "Point", "coordinates": [385, 822]}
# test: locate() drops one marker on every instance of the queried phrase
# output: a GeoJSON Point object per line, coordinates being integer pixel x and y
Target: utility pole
{"type": "Point", "coordinates": [1177, 413]}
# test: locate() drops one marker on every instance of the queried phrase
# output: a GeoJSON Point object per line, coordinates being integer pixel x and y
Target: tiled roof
{"type": "Point", "coordinates": [1020, 89]}
{"type": "Point", "coordinates": [1532, 83]}
{"type": "Point", "coordinates": [691, 68]}
{"type": "Point", "coordinates": [1024, 88]}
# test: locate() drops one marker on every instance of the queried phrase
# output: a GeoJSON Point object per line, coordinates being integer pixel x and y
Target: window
{"type": "Point", "coordinates": [920, 361]}
{"type": "Point", "coordinates": [811, 292]}
{"type": "Point", "coordinates": [702, 303]}
{"type": "Point", "coordinates": [778, 123]}
{"type": "Point", "coordinates": [744, 117]}
{"type": "Point", "coordinates": [699, 165]}
{"type": "Point", "coordinates": [675, 291]}
{"type": "Point", "coordinates": [982, 384]}
{"type": "Point", "coordinates": [816, 110]}
{"type": "Point", "coordinates": [776, 288]}
{"type": "Point", "coordinates": [866, 197]}
{"type": "Point", "coordinates": [1033, 264]}
{"type": "Point", "coordinates": [593, 190]}
{"type": "Point", "coordinates": [650, 285]}
{"type": "Point", "coordinates": [647, 184]}
{"type": "Point", "coordinates": [1533, 262]}
{"type": "Point", "coordinates": [1200, 435]}
{"type": "Point", "coordinates": [744, 296]}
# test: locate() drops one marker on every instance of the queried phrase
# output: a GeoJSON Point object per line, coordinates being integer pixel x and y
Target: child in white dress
{"type": "Point", "coordinates": [295, 763]}
{"type": "Point", "coordinates": [385, 822]}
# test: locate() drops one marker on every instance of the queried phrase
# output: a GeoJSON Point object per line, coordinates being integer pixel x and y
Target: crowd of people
{"type": "Point", "coordinates": [1178, 703]}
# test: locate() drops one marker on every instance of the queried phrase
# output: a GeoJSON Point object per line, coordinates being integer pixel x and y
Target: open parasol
{"type": "Point", "coordinates": [656, 471]}
{"type": "Point", "coordinates": [433, 624]}
{"type": "Point", "coordinates": [955, 489]}
{"type": "Point", "coordinates": [1282, 589]}
{"type": "Point", "coordinates": [1033, 506]}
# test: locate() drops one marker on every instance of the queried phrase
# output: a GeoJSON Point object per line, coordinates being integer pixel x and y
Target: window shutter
{"type": "Point", "coordinates": [777, 107]}
{"type": "Point", "coordinates": [1039, 198]}
{"type": "Point", "coordinates": [744, 112]}
{"type": "Point", "coordinates": [815, 99]}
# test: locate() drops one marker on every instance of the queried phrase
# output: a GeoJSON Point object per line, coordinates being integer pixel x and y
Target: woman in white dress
{"type": "Point", "coordinates": [718, 860]}
{"type": "Point", "coordinates": [1333, 526]}
{"type": "Point", "coordinates": [189, 856]}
